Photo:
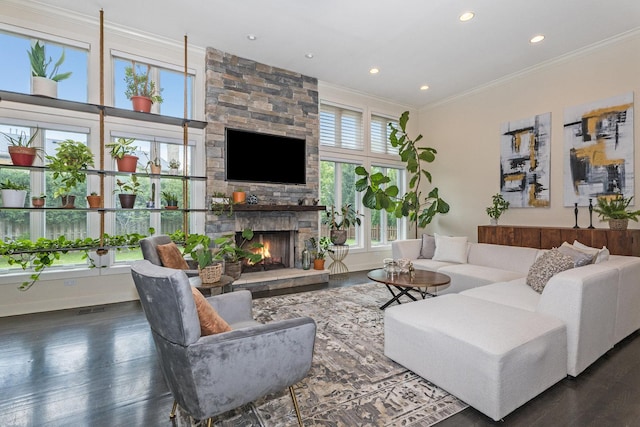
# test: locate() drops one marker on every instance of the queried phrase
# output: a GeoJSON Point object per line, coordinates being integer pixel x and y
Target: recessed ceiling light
{"type": "Point", "coordinates": [536, 39]}
{"type": "Point", "coordinates": [424, 87]}
{"type": "Point", "coordinates": [374, 71]}
{"type": "Point", "coordinates": [467, 16]}
{"type": "Point", "coordinates": [252, 37]}
{"type": "Point", "coordinates": [308, 55]}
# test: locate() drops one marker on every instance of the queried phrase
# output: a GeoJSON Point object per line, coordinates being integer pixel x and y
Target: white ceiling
{"type": "Point", "coordinates": [412, 42]}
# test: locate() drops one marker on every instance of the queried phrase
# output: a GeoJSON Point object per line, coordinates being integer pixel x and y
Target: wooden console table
{"type": "Point", "coordinates": [618, 242]}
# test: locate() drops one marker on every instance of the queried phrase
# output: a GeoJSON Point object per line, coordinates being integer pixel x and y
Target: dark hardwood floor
{"type": "Point", "coordinates": [98, 367]}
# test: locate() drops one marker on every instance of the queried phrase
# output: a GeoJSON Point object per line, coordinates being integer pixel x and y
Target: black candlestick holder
{"type": "Point", "coordinates": [591, 213]}
{"type": "Point", "coordinates": [575, 212]}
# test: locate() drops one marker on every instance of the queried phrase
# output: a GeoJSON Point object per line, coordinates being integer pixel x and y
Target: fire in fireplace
{"type": "Point", "coordinates": [277, 250]}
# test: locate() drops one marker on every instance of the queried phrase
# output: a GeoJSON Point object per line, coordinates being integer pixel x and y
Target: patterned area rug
{"type": "Point", "coordinates": [351, 382]}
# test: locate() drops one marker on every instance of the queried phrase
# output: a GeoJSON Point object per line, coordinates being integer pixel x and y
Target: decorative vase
{"type": "Point", "coordinates": [127, 200]}
{"type": "Point", "coordinates": [338, 237]}
{"type": "Point", "coordinates": [94, 201]}
{"type": "Point", "coordinates": [22, 156]}
{"type": "Point", "coordinates": [233, 269]}
{"type": "Point", "coordinates": [493, 221]}
{"type": "Point", "coordinates": [141, 103]}
{"type": "Point", "coordinates": [306, 259]}
{"type": "Point", "coordinates": [43, 86]}
{"type": "Point", "coordinates": [68, 201]}
{"type": "Point", "coordinates": [13, 198]}
{"type": "Point", "coordinates": [618, 224]}
{"type": "Point", "coordinates": [318, 264]}
{"type": "Point", "coordinates": [38, 202]}
{"type": "Point", "coordinates": [239, 196]}
{"type": "Point", "coordinates": [127, 163]}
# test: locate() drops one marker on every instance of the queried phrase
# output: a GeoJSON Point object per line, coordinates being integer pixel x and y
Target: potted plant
{"type": "Point", "coordinates": [614, 208]}
{"type": "Point", "coordinates": [319, 250]}
{"type": "Point", "coordinates": [20, 148]}
{"type": "Point", "coordinates": [497, 208]}
{"type": "Point", "coordinates": [171, 200]}
{"type": "Point", "coordinates": [94, 200]}
{"type": "Point", "coordinates": [123, 150]}
{"type": "Point", "coordinates": [71, 159]}
{"type": "Point", "coordinates": [127, 191]}
{"type": "Point", "coordinates": [141, 90]}
{"type": "Point", "coordinates": [38, 201]}
{"type": "Point", "coordinates": [339, 222]}
{"type": "Point", "coordinates": [221, 203]}
{"type": "Point", "coordinates": [13, 194]}
{"type": "Point", "coordinates": [155, 165]}
{"type": "Point", "coordinates": [174, 165]}
{"type": "Point", "coordinates": [233, 253]}
{"type": "Point", "coordinates": [43, 82]}
{"type": "Point", "coordinates": [239, 196]}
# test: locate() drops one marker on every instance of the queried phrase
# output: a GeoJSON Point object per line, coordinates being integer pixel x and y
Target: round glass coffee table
{"type": "Point", "coordinates": [400, 284]}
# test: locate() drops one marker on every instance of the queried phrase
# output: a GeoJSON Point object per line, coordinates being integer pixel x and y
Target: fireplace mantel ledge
{"type": "Point", "coordinates": [271, 208]}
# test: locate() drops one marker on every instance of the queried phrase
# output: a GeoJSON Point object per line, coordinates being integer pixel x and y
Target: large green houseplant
{"type": "Point", "coordinates": [615, 209]}
{"type": "Point", "coordinates": [380, 195]}
{"type": "Point", "coordinates": [69, 164]}
{"type": "Point", "coordinates": [339, 221]}
{"type": "Point", "coordinates": [233, 254]}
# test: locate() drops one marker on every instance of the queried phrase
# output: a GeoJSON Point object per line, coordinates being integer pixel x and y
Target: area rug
{"type": "Point", "coordinates": [351, 382]}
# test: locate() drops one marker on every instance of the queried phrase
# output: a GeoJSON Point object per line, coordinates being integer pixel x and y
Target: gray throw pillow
{"type": "Point", "coordinates": [428, 246]}
{"type": "Point", "coordinates": [545, 267]}
{"type": "Point", "coordinates": [579, 258]}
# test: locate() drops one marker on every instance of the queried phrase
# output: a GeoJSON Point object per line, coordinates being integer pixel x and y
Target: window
{"type": "Point", "coordinates": [337, 188]}
{"type": "Point", "coordinates": [385, 226]}
{"type": "Point", "coordinates": [380, 135]}
{"type": "Point", "coordinates": [340, 128]}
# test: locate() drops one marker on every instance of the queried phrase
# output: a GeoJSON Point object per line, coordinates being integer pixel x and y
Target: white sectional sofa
{"type": "Point", "coordinates": [493, 341]}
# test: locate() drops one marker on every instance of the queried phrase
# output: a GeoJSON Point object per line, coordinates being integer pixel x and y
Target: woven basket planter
{"type": "Point", "coordinates": [618, 224]}
{"type": "Point", "coordinates": [210, 274]}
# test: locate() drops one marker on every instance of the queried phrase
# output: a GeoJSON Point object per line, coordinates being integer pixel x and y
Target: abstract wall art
{"type": "Point", "coordinates": [524, 161]}
{"type": "Point", "coordinates": [598, 150]}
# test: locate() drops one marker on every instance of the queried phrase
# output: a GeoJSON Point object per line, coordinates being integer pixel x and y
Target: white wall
{"type": "Point", "coordinates": [466, 133]}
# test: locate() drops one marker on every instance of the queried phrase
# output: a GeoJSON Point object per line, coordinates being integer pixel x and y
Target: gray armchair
{"type": "Point", "coordinates": [209, 375]}
{"type": "Point", "coordinates": [149, 246]}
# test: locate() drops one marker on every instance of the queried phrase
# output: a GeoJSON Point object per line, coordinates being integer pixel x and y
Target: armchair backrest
{"type": "Point", "coordinates": [149, 246]}
{"type": "Point", "coordinates": [167, 301]}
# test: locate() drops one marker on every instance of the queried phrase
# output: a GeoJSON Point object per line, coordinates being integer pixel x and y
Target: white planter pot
{"type": "Point", "coordinates": [13, 198]}
{"type": "Point", "coordinates": [44, 87]}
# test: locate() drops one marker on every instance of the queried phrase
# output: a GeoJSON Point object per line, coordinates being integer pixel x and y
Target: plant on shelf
{"type": "Point", "coordinates": [155, 165]}
{"type": "Point", "coordinates": [123, 151]}
{"type": "Point", "coordinates": [127, 191]}
{"type": "Point", "coordinates": [221, 203]}
{"type": "Point", "coordinates": [174, 165]}
{"type": "Point", "coordinates": [498, 207]}
{"type": "Point", "coordinates": [43, 81]}
{"type": "Point", "coordinates": [13, 194]}
{"type": "Point", "coordinates": [72, 158]}
{"type": "Point", "coordinates": [38, 201]}
{"type": "Point", "coordinates": [340, 220]}
{"type": "Point", "coordinates": [140, 88]}
{"type": "Point", "coordinates": [380, 195]}
{"type": "Point", "coordinates": [94, 200]}
{"type": "Point", "coordinates": [171, 199]}
{"type": "Point", "coordinates": [21, 148]}
{"type": "Point", "coordinates": [615, 209]}
{"type": "Point", "coordinates": [233, 254]}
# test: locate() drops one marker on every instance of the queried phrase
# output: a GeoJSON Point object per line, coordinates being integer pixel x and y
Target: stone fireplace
{"type": "Point", "coordinates": [277, 250]}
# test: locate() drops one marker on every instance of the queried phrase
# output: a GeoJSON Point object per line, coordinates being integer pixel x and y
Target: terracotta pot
{"type": "Point", "coordinates": [38, 202]}
{"type": "Point", "coordinates": [156, 169]}
{"type": "Point", "coordinates": [22, 156]}
{"type": "Point", "coordinates": [171, 207]}
{"type": "Point", "coordinates": [141, 103]}
{"type": "Point", "coordinates": [127, 163]}
{"type": "Point", "coordinates": [239, 197]}
{"type": "Point", "coordinates": [127, 200]}
{"type": "Point", "coordinates": [94, 201]}
{"type": "Point", "coordinates": [68, 201]}
{"type": "Point", "coordinates": [318, 264]}
{"type": "Point", "coordinates": [44, 87]}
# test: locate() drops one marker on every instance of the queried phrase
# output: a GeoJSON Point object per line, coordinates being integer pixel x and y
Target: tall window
{"type": "Point", "coordinates": [385, 227]}
{"type": "Point", "coordinates": [340, 128]}
{"type": "Point", "coordinates": [337, 188]}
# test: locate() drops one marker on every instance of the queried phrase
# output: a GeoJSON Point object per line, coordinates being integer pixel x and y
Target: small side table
{"type": "Point", "coordinates": [222, 286]}
{"type": "Point", "coordinates": [338, 253]}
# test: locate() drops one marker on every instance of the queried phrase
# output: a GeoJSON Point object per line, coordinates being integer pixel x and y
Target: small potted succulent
{"type": "Point", "coordinates": [21, 149]}
{"type": "Point", "coordinates": [615, 209]}
{"type": "Point", "coordinates": [174, 165]}
{"type": "Point", "coordinates": [38, 201]}
{"type": "Point", "coordinates": [123, 151]}
{"type": "Point", "coordinates": [94, 200]}
{"type": "Point", "coordinates": [171, 200]}
{"type": "Point", "coordinates": [497, 208]}
{"type": "Point", "coordinates": [141, 90]}
{"type": "Point", "coordinates": [43, 81]}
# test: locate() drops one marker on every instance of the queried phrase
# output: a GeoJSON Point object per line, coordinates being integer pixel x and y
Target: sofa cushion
{"type": "Point", "coordinates": [515, 293]}
{"type": "Point", "coordinates": [467, 276]}
{"type": "Point", "coordinates": [601, 254]}
{"type": "Point", "coordinates": [451, 249]}
{"type": "Point", "coordinates": [429, 264]}
{"type": "Point", "coordinates": [580, 258]}
{"type": "Point", "coordinates": [513, 258]}
{"type": "Point", "coordinates": [428, 247]}
{"type": "Point", "coordinates": [545, 267]}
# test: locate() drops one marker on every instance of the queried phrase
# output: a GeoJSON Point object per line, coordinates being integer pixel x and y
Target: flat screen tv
{"type": "Point", "coordinates": [259, 157]}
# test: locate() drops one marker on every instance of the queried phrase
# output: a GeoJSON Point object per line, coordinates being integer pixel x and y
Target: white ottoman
{"type": "Point", "coordinates": [492, 356]}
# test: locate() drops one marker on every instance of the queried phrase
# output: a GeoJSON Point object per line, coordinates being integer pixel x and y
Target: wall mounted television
{"type": "Point", "coordinates": [260, 157]}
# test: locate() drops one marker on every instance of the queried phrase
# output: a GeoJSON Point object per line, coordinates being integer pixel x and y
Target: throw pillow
{"type": "Point", "coordinates": [428, 246]}
{"type": "Point", "coordinates": [545, 267]}
{"type": "Point", "coordinates": [601, 254]}
{"type": "Point", "coordinates": [450, 249]}
{"type": "Point", "coordinates": [171, 257]}
{"type": "Point", "coordinates": [580, 258]}
{"type": "Point", "coordinates": [210, 320]}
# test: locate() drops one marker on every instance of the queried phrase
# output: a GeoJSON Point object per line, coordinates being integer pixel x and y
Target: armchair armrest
{"type": "Point", "coordinates": [233, 306]}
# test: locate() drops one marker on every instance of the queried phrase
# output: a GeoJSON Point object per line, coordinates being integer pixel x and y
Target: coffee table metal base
{"type": "Point", "coordinates": [401, 284]}
{"type": "Point", "coordinates": [403, 290]}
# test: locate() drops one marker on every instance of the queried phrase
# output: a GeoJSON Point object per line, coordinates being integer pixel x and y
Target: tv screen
{"type": "Point", "coordinates": [260, 157]}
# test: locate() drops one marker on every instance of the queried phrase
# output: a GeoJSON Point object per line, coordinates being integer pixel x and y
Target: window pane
{"type": "Point", "coordinates": [337, 187]}
{"type": "Point", "coordinates": [340, 128]}
{"type": "Point", "coordinates": [385, 226]}
{"type": "Point", "coordinates": [380, 135]}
